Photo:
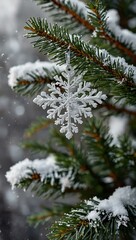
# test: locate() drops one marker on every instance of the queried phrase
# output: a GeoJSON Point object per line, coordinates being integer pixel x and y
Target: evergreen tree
{"type": "Point", "coordinates": [88, 86]}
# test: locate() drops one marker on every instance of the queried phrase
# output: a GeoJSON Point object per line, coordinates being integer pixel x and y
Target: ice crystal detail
{"type": "Point", "coordinates": [70, 98]}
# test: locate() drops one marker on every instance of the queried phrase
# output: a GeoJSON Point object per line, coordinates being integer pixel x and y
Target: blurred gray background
{"type": "Point", "coordinates": [16, 114]}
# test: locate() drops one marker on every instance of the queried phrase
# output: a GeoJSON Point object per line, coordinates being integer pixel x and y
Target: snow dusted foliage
{"type": "Point", "coordinates": [123, 34]}
{"type": "Point", "coordinates": [47, 169]}
{"type": "Point", "coordinates": [69, 99]}
{"type": "Point", "coordinates": [26, 70]}
{"type": "Point", "coordinates": [23, 169]}
{"type": "Point", "coordinates": [113, 207]}
{"type": "Point", "coordinates": [108, 60]}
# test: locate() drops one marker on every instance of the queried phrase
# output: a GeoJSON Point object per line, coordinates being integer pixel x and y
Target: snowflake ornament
{"type": "Point", "coordinates": [70, 98]}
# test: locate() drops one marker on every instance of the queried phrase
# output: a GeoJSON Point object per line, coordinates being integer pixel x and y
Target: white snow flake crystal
{"type": "Point", "coordinates": [66, 181]}
{"type": "Point", "coordinates": [69, 99]}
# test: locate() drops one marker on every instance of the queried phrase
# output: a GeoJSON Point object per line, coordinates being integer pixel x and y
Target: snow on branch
{"type": "Point", "coordinates": [117, 62]}
{"type": "Point", "coordinates": [55, 46]}
{"type": "Point", "coordinates": [27, 70]}
{"type": "Point", "coordinates": [99, 219]}
{"type": "Point", "coordinates": [76, 14]}
{"type": "Point", "coordinates": [47, 169]}
{"type": "Point", "coordinates": [113, 207]}
{"type": "Point", "coordinates": [124, 35]}
{"type": "Point", "coordinates": [80, 6]}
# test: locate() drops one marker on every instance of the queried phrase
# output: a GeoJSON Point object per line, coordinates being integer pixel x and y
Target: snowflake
{"type": "Point", "coordinates": [66, 181]}
{"type": "Point", "coordinates": [69, 99]}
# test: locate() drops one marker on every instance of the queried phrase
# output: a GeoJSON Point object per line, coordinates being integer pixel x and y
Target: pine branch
{"type": "Point", "coordinates": [49, 213]}
{"type": "Point", "coordinates": [35, 146]}
{"type": "Point", "coordinates": [25, 87]}
{"type": "Point", "coordinates": [107, 84]}
{"type": "Point", "coordinates": [40, 124]}
{"type": "Point", "coordinates": [101, 158]}
{"type": "Point", "coordinates": [125, 158]}
{"type": "Point", "coordinates": [97, 15]}
{"type": "Point", "coordinates": [30, 78]}
{"type": "Point", "coordinates": [78, 156]}
{"type": "Point", "coordinates": [50, 38]}
{"type": "Point", "coordinates": [105, 158]}
{"type": "Point", "coordinates": [46, 177]}
{"type": "Point", "coordinates": [101, 152]}
{"type": "Point", "coordinates": [57, 36]}
{"type": "Point", "coordinates": [117, 109]}
{"type": "Point", "coordinates": [67, 154]}
{"type": "Point", "coordinates": [37, 187]}
{"type": "Point", "coordinates": [96, 219]}
{"type": "Point", "coordinates": [99, 20]}
{"type": "Point", "coordinates": [71, 11]}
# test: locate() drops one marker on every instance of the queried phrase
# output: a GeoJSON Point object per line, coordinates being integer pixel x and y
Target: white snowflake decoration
{"type": "Point", "coordinates": [69, 99]}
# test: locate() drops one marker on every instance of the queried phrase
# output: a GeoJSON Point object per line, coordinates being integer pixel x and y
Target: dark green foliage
{"type": "Point", "coordinates": [84, 58]}
{"type": "Point", "coordinates": [96, 158]}
{"type": "Point", "coordinates": [66, 14]}
{"type": "Point", "coordinates": [98, 18]}
{"type": "Point", "coordinates": [76, 226]}
{"type": "Point", "coordinates": [40, 124]}
{"type": "Point", "coordinates": [108, 159]}
{"type": "Point", "coordinates": [49, 213]}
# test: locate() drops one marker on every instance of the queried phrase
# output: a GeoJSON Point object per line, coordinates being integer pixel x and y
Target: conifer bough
{"type": "Point", "coordinates": [98, 166]}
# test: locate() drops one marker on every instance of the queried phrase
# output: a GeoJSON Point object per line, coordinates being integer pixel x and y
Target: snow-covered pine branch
{"type": "Point", "coordinates": [117, 62]}
{"type": "Point", "coordinates": [76, 5]}
{"type": "Point", "coordinates": [90, 17]}
{"type": "Point", "coordinates": [33, 77]}
{"type": "Point", "coordinates": [57, 39]}
{"type": "Point", "coordinates": [116, 207]}
{"type": "Point", "coordinates": [96, 219]}
{"type": "Point", "coordinates": [44, 170]}
{"type": "Point", "coordinates": [75, 12]}
{"type": "Point", "coordinates": [124, 35]}
{"type": "Point", "coordinates": [79, 6]}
